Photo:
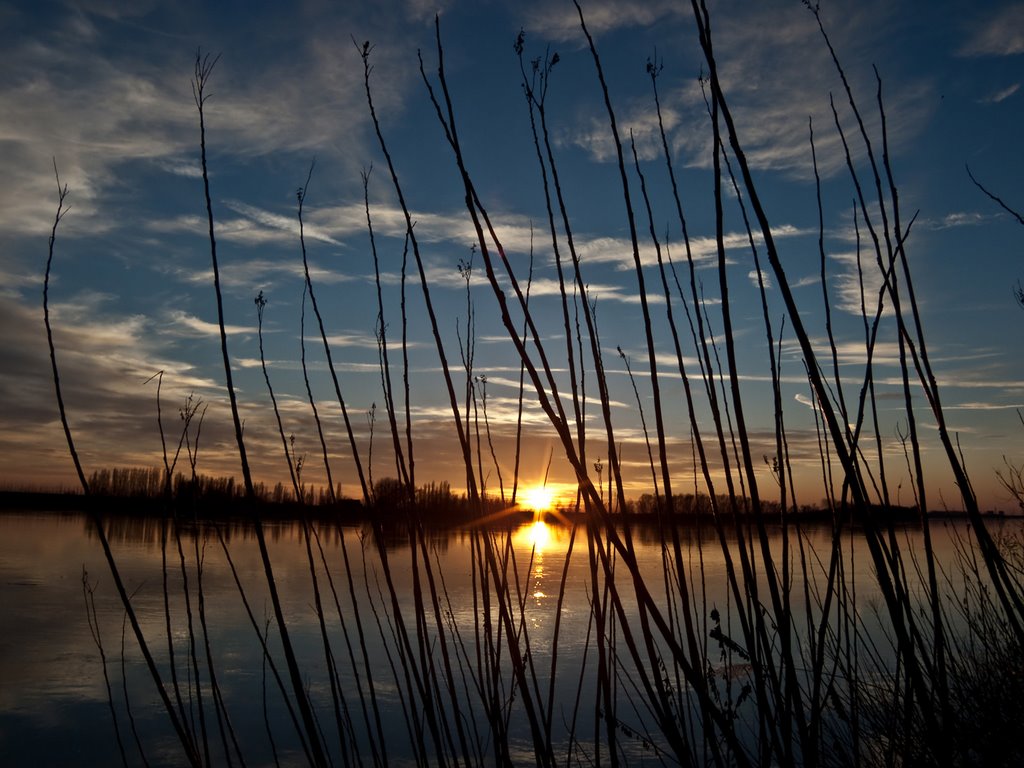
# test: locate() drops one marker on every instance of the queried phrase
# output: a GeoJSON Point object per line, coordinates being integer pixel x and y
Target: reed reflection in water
{"type": "Point", "coordinates": [55, 706]}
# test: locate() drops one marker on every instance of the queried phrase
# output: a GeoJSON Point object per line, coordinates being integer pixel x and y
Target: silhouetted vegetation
{"type": "Point", "coordinates": [784, 672]}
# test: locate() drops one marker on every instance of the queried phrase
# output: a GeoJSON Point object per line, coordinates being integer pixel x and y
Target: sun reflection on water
{"type": "Point", "coordinates": [538, 535]}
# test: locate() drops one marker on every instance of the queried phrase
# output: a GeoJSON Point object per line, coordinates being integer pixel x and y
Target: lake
{"type": "Point", "coordinates": [60, 703]}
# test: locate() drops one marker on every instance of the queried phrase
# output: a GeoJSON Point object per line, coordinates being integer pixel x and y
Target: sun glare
{"type": "Point", "coordinates": [539, 499]}
{"type": "Point", "coordinates": [538, 535]}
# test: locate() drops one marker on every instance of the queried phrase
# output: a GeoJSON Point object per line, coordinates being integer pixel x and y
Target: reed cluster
{"type": "Point", "coordinates": [788, 671]}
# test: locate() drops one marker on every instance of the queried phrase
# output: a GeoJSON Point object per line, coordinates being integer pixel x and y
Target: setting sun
{"type": "Point", "coordinates": [539, 498]}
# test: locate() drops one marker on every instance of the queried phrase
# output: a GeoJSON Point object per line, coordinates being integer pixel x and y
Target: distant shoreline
{"type": "Point", "coordinates": [352, 511]}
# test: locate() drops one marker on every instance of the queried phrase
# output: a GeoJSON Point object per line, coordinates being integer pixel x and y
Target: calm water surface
{"type": "Point", "coordinates": [55, 708]}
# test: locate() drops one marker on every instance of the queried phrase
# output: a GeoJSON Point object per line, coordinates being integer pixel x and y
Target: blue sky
{"type": "Point", "coordinates": [104, 89]}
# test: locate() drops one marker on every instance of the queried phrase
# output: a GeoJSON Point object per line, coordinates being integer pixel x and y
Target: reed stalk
{"type": "Point", "coordinates": [89, 594]}
{"type": "Point", "coordinates": [382, 346]}
{"type": "Point", "coordinates": [203, 69]}
{"type": "Point", "coordinates": [184, 737]}
{"type": "Point", "coordinates": [460, 428]}
{"type": "Point", "coordinates": [301, 194]}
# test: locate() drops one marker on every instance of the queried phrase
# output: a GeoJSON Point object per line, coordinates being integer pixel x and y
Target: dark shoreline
{"type": "Point", "coordinates": [352, 511]}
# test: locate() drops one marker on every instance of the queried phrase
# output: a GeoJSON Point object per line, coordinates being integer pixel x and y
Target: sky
{"type": "Point", "coordinates": [103, 91]}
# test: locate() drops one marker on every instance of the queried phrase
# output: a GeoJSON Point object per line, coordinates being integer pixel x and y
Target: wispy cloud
{"type": "Point", "coordinates": [803, 282]}
{"type": "Point", "coordinates": [852, 285]}
{"type": "Point", "coordinates": [1001, 95]}
{"type": "Point", "coordinates": [97, 107]}
{"type": "Point", "coordinates": [251, 275]}
{"type": "Point", "coordinates": [176, 166]}
{"type": "Point", "coordinates": [638, 124]}
{"type": "Point", "coordinates": [253, 226]}
{"type": "Point", "coordinates": [775, 82]}
{"type": "Point", "coordinates": [105, 361]}
{"type": "Point", "coordinates": [976, 406]}
{"type": "Point", "coordinates": [514, 232]}
{"type": "Point", "coordinates": [757, 279]}
{"type": "Point", "coordinates": [276, 222]}
{"type": "Point", "coordinates": [558, 21]}
{"type": "Point", "coordinates": [351, 339]}
{"type": "Point", "coordinates": [182, 323]}
{"type": "Point", "coordinates": [619, 251]}
{"type": "Point", "coordinates": [957, 219]}
{"type": "Point", "coordinates": [1000, 33]}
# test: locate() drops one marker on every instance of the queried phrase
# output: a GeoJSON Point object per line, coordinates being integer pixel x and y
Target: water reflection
{"type": "Point", "coordinates": [52, 686]}
{"type": "Point", "coordinates": [536, 535]}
